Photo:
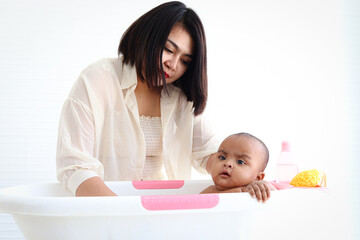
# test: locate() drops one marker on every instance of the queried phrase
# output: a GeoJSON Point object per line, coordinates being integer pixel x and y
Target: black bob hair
{"type": "Point", "coordinates": [143, 42]}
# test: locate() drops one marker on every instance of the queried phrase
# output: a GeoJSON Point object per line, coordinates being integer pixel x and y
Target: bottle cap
{"type": "Point", "coordinates": [285, 146]}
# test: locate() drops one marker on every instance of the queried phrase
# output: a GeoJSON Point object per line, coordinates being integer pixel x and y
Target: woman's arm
{"type": "Point", "coordinates": [75, 158]}
{"type": "Point", "coordinates": [94, 186]}
{"type": "Point", "coordinates": [205, 143]}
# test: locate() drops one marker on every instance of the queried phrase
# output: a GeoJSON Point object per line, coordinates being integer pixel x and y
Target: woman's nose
{"type": "Point", "coordinates": [172, 63]}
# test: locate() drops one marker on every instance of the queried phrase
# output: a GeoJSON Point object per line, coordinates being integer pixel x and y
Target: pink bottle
{"type": "Point", "coordinates": [286, 169]}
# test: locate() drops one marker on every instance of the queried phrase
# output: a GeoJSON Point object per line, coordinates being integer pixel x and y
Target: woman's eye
{"type": "Point", "coordinates": [222, 158]}
{"type": "Point", "coordinates": [186, 63]}
{"type": "Point", "coordinates": [168, 50]}
{"type": "Point", "coordinates": [241, 162]}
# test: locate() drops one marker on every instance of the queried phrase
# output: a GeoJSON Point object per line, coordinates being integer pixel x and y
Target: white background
{"type": "Point", "coordinates": [281, 70]}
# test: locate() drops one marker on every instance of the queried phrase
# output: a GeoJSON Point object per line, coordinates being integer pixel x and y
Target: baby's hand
{"type": "Point", "coordinates": [260, 189]}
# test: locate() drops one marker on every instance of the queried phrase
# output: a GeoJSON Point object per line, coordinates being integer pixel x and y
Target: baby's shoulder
{"type": "Point", "coordinates": [210, 189]}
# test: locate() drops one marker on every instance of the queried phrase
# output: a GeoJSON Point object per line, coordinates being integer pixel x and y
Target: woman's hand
{"type": "Point", "coordinates": [93, 187]}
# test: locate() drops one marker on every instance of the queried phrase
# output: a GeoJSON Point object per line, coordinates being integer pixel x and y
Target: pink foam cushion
{"type": "Point", "coordinates": [285, 185]}
{"type": "Point", "coordinates": [177, 202]}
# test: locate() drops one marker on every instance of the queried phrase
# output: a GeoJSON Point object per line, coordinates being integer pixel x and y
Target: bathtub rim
{"type": "Point", "coordinates": [17, 204]}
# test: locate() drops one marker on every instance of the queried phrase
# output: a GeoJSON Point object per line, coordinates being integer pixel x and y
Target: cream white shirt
{"type": "Point", "coordinates": [100, 133]}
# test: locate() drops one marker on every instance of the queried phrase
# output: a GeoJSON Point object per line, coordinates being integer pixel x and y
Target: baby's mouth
{"type": "Point", "coordinates": [225, 174]}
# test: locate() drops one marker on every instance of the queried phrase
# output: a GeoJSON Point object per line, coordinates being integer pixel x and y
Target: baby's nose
{"type": "Point", "coordinates": [228, 164]}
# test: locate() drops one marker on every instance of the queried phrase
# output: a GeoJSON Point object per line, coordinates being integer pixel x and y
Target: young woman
{"type": "Point", "coordinates": [138, 117]}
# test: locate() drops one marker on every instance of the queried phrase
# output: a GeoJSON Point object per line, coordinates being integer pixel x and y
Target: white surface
{"type": "Point", "coordinates": [278, 69]}
{"type": "Point", "coordinates": [45, 211]}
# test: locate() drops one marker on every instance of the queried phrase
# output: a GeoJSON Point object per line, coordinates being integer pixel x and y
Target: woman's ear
{"type": "Point", "coordinates": [260, 176]}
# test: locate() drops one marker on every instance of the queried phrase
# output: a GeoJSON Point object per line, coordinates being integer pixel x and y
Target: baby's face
{"type": "Point", "coordinates": [238, 162]}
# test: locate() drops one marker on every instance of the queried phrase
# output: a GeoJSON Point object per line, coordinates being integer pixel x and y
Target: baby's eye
{"type": "Point", "coordinates": [222, 158]}
{"type": "Point", "coordinates": [241, 162]}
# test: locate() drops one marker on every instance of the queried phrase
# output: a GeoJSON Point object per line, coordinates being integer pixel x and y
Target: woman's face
{"type": "Point", "coordinates": [177, 54]}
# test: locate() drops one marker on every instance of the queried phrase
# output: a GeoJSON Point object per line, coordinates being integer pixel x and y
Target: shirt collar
{"type": "Point", "coordinates": [128, 75]}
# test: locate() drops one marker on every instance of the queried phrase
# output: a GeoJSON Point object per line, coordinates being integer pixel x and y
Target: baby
{"type": "Point", "coordinates": [239, 166]}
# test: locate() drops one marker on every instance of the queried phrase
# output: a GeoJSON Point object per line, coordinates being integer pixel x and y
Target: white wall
{"type": "Point", "coordinates": [281, 69]}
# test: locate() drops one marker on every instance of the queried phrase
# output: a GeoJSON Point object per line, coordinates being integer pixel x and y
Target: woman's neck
{"type": "Point", "coordinates": [148, 100]}
{"type": "Point", "coordinates": [143, 88]}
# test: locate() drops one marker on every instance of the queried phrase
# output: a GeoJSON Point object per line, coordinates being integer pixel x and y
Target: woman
{"type": "Point", "coordinates": [138, 117]}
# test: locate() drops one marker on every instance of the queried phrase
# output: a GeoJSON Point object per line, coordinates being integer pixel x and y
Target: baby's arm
{"type": "Point", "coordinates": [213, 189]}
{"type": "Point", "coordinates": [259, 189]}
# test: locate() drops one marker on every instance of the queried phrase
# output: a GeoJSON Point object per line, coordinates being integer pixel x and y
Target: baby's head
{"type": "Point", "coordinates": [240, 160]}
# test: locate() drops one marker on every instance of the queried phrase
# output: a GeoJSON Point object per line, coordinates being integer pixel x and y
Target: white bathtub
{"type": "Point", "coordinates": [175, 211]}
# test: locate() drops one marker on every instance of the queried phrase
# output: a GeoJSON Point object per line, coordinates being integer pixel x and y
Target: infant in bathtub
{"type": "Point", "coordinates": [239, 166]}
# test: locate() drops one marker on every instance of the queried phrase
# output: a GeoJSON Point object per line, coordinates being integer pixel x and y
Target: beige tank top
{"type": "Point", "coordinates": [151, 127]}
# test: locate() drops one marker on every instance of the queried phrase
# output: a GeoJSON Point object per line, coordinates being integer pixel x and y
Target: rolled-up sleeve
{"type": "Point", "coordinates": [75, 159]}
{"type": "Point", "coordinates": [205, 143]}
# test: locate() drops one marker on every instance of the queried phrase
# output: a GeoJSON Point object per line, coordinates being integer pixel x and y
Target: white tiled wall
{"type": "Point", "coordinates": [9, 230]}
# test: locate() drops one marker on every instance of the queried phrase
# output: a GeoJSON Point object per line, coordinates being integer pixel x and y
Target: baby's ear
{"type": "Point", "coordinates": [260, 176]}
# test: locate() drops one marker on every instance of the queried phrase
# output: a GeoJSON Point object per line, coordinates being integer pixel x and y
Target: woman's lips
{"type": "Point", "coordinates": [167, 75]}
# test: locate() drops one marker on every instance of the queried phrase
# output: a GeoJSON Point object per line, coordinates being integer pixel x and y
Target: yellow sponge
{"type": "Point", "coordinates": [309, 178]}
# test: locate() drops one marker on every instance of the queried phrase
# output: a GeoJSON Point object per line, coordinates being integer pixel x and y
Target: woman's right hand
{"type": "Point", "coordinates": [94, 186]}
